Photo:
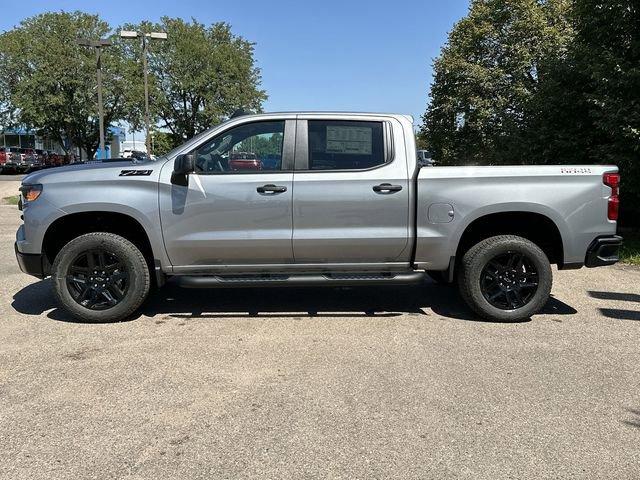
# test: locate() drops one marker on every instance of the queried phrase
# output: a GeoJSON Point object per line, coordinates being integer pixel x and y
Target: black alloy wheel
{"type": "Point", "coordinates": [509, 280]}
{"type": "Point", "coordinates": [97, 279]}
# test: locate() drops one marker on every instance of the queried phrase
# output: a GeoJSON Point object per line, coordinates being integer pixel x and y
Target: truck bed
{"type": "Point", "coordinates": [450, 199]}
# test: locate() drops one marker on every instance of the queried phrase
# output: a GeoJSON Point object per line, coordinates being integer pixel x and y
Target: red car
{"type": "Point", "coordinates": [9, 159]}
{"type": "Point", "coordinates": [244, 161]}
{"type": "Point", "coordinates": [3, 156]}
{"type": "Point", "coordinates": [55, 159]}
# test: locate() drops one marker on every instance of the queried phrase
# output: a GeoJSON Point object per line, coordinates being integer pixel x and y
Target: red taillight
{"type": "Point", "coordinates": [613, 180]}
{"type": "Point", "coordinates": [612, 208]}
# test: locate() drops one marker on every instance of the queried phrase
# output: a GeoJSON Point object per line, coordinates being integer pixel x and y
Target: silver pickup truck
{"type": "Point", "coordinates": [312, 199]}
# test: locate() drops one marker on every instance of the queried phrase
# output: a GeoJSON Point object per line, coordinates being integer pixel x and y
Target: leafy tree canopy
{"type": "Point", "coordinates": [199, 75]}
{"type": "Point", "coordinates": [50, 81]}
{"type": "Point", "coordinates": [487, 79]}
{"type": "Point", "coordinates": [541, 81]}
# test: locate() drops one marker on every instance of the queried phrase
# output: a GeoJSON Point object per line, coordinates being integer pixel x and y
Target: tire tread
{"type": "Point", "coordinates": [468, 262]}
{"type": "Point", "coordinates": [103, 315]}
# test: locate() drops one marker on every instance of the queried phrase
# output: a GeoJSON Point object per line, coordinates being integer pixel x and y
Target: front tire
{"type": "Point", "coordinates": [100, 277]}
{"type": "Point", "coordinates": [505, 278]}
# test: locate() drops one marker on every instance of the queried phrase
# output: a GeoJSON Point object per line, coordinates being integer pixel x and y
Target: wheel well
{"type": "Point", "coordinates": [538, 228]}
{"type": "Point", "coordinates": [66, 228]}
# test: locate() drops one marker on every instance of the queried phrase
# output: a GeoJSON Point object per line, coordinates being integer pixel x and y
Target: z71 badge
{"type": "Point", "coordinates": [135, 173]}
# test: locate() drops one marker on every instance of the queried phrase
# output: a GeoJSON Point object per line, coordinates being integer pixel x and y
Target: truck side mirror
{"type": "Point", "coordinates": [183, 165]}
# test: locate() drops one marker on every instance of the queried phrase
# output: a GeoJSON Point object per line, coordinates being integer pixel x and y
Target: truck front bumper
{"type": "Point", "coordinates": [603, 251]}
{"type": "Point", "coordinates": [34, 264]}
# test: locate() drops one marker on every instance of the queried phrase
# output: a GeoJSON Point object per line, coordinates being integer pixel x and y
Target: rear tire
{"type": "Point", "coordinates": [100, 277]}
{"type": "Point", "coordinates": [505, 278]}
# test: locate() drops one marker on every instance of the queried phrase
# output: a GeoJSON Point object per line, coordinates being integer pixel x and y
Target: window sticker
{"type": "Point", "coordinates": [349, 140]}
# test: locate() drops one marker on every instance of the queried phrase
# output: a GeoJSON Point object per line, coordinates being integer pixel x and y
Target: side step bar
{"type": "Point", "coordinates": [298, 280]}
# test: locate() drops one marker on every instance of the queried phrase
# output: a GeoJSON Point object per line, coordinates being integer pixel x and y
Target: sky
{"type": "Point", "coordinates": [354, 55]}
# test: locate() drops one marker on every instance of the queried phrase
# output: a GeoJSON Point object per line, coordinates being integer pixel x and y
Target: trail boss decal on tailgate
{"type": "Point", "coordinates": [575, 170]}
{"type": "Point", "coordinates": [135, 173]}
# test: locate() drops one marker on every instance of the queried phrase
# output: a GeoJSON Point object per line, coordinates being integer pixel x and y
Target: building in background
{"type": "Point", "coordinates": [24, 138]}
{"type": "Point", "coordinates": [114, 142]}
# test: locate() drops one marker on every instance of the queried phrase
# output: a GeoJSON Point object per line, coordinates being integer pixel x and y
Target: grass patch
{"type": "Point", "coordinates": [630, 252]}
{"type": "Point", "coordinates": [12, 200]}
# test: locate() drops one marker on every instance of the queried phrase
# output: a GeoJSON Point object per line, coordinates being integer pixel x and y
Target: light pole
{"type": "Point", "coordinates": [145, 50]}
{"type": "Point", "coordinates": [98, 45]}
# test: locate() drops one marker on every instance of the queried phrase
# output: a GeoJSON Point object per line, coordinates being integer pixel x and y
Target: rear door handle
{"type": "Point", "coordinates": [270, 188]}
{"type": "Point", "coordinates": [387, 188]}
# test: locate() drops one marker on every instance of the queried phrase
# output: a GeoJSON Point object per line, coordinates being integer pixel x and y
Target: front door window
{"type": "Point", "coordinates": [247, 148]}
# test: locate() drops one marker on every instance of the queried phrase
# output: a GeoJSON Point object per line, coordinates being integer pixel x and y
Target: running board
{"type": "Point", "coordinates": [298, 280]}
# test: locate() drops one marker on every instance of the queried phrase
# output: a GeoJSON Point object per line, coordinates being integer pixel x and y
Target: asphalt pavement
{"type": "Point", "coordinates": [321, 383]}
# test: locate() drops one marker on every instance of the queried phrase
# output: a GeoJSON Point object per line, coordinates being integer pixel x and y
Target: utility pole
{"type": "Point", "coordinates": [145, 68]}
{"type": "Point", "coordinates": [98, 45]}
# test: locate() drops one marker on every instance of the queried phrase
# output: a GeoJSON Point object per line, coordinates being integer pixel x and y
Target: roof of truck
{"type": "Point", "coordinates": [321, 112]}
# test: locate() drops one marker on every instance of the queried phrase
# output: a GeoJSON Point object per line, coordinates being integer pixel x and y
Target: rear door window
{"type": "Point", "coordinates": [345, 145]}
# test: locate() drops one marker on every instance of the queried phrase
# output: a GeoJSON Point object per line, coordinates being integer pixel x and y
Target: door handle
{"type": "Point", "coordinates": [387, 188]}
{"type": "Point", "coordinates": [270, 188]}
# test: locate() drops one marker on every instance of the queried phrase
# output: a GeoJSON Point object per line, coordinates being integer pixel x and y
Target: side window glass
{"type": "Point", "coordinates": [249, 147]}
{"type": "Point", "coordinates": [345, 145]}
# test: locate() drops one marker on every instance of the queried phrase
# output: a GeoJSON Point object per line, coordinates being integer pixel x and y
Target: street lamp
{"type": "Point", "coordinates": [98, 45]}
{"type": "Point", "coordinates": [145, 50]}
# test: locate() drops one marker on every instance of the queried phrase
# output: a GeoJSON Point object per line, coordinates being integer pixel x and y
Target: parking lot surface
{"type": "Point", "coordinates": [321, 383]}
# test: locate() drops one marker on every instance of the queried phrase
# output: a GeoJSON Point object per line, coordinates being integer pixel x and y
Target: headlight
{"type": "Point", "coordinates": [30, 193]}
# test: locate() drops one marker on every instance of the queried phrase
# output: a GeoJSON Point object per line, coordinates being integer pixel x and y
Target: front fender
{"type": "Point", "coordinates": [149, 219]}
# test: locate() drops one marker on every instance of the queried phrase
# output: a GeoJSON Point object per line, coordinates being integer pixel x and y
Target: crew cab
{"type": "Point", "coordinates": [344, 204]}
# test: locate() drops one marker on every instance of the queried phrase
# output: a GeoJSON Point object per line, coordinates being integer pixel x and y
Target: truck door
{"type": "Point", "coordinates": [237, 206]}
{"type": "Point", "coordinates": [351, 191]}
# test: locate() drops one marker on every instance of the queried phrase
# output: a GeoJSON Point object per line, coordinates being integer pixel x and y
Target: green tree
{"type": "Point", "coordinates": [606, 75]}
{"type": "Point", "coordinates": [421, 140]}
{"type": "Point", "coordinates": [163, 142]}
{"type": "Point", "coordinates": [50, 82]}
{"type": "Point", "coordinates": [488, 80]}
{"type": "Point", "coordinates": [266, 144]}
{"type": "Point", "coordinates": [549, 81]}
{"type": "Point", "coordinates": [199, 76]}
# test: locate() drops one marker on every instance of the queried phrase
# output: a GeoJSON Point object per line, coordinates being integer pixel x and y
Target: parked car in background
{"type": "Point", "coordinates": [244, 161]}
{"type": "Point", "coordinates": [55, 159]}
{"type": "Point", "coordinates": [425, 159]}
{"type": "Point", "coordinates": [139, 155]}
{"type": "Point", "coordinates": [29, 160]}
{"type": "Point", "coordinates": [49, 158]}
{"type": "Point", "coordinates": [41, 154]}
{"type": "Point", "coordinates": [9, 159]}
{"type": "Point", "coordinates": [3, 158]}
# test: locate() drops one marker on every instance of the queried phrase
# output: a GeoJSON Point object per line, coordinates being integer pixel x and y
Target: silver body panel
{"type": "Point", "coordinates": [95, 187]}
{"type": "Point", "coordinates": [222, 219]}
{"type": "Point", "coordinates": [574, 198]}
{"type": "Point", "coordinates": [338, 218]}
{"type": "Point", "coordinates": [326, 220]}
